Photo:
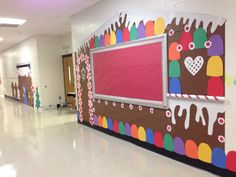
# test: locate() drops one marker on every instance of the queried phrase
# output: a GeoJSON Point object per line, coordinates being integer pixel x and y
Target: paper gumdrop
{"type": "Point", "coordinates": [199, 38]}
{"type": "Point", "coordinates": [173, 53]}
{"type": "Point", "coordinates": [215, 87]}
{"type": "Point", "coordinates": [217, 46]}
{"type": "Point", "coordinates": [141, 30]}
{"type": "Point", "coordinates": [133, 33]}
{"type": "Point", "coordinates": [92, 42]}
{"type": "Point", "coordinates": [175, 86]}
{"type": "Point", "coordinates": [107, 39]}
{"type": "Point", "coordinates": [185, 40]}
{"type": "Point", "coordinates": [174, 69]}
{"type": "Point", "coordinates": [97, 42]}
{"type": "Point", "coordinates": [126, 35]}
{"type": "Point", "coordinates": [215, 67]}
{"type": "Point", "coordinates": [113, 38]}
{"type": "Point", "coordinates": [149, 28]}
{"type": "Point", "coordinates": [231, 161]}
{"type": "Point", "coordinates": [119, 37]}
{"type": "Point", "coordinates": [102, 41]}
{"type": "Point", "coordinates": [159, 26]}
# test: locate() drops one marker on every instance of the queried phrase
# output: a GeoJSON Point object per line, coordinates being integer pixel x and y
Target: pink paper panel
{"type": "Point", "coordinates": [132, 72]}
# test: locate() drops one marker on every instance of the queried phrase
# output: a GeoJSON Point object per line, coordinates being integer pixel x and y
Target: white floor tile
{"type": "Point", "coordinates": [46, 144]}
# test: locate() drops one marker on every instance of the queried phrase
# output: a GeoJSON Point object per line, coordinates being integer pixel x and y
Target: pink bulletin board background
{"type": "Point", "coordinates": [131, 72]}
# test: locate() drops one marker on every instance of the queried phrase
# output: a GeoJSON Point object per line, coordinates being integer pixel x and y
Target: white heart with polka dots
{"type": "Point", "coordinates": [194, 65]}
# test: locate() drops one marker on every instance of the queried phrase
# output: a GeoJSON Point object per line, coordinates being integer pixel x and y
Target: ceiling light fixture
{"type": "Point", "coordinates": [1, 39]}
{"type": "Point", "coordinates": [11, 22]}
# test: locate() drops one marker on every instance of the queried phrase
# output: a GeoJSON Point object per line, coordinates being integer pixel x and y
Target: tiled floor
{"type": "Point", "coordinates": [34, 144]}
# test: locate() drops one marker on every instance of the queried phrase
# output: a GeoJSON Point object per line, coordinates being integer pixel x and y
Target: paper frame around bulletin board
{"type": "Point", "coordinates": [136, 101]}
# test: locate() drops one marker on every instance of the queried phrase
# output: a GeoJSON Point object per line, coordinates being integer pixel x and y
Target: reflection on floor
{"type": "Point", "coordinates": [46, 144]}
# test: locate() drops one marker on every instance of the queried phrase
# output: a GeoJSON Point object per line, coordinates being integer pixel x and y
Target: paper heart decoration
{"type": "Point", "coordinates": [193, 65]}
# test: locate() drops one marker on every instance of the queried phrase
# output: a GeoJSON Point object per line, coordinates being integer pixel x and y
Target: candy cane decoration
{"type": "Point", "coordinates": [197, 97]}
{"type": "Point", "coordinates": [84, 58]}
{"type": "Point", "coordinates": [79, 90]}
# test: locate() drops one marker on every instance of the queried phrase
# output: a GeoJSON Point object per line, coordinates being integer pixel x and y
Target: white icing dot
{"type": "Point", "coordinates": [151, 110]}
{"type": "Point", "coordinates": [168, 128]}
{"type": "Point", "coordinates": [140, 108]}
{"type": "Point", "coordinates": [131, 107]}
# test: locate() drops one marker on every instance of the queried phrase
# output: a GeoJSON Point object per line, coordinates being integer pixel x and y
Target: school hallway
{"type": "Point", "coordinates": [51, 145]}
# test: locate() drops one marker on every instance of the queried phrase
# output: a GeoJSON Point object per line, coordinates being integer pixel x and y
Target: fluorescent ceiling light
{"type": "Point", "coordinates": [11, 22]}
{"type": "Point", "coordinates": [1, 39]}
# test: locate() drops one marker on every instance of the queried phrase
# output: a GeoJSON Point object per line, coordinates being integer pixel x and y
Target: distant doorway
{"type": "Point", "coordinates": [69, 83]}
{"type": "Point", "coordinates": [25, 84]}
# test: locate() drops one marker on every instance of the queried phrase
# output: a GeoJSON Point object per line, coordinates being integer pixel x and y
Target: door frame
{"type": "Point", "coordinates": [63, 57]}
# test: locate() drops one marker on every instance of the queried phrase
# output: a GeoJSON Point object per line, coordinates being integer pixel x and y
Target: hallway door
{"type": "Point", "coordinates": [68, 69]}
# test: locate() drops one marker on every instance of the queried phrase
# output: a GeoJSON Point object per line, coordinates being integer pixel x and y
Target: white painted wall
{"type": "Point", "coordinates": [65, 44]}
{"type": "Point", "coordinates": [50, 70]}
{"type": "Point", "coordinates": [88, 21]}
{"type": "Point", "coordinates": [1, 85]}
